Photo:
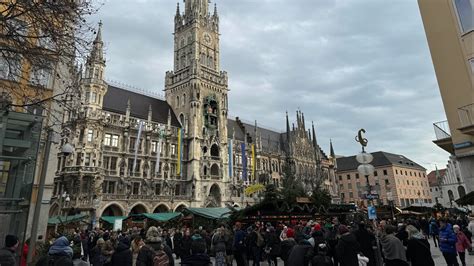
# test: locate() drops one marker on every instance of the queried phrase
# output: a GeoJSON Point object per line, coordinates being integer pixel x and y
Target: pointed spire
{"type": "Point", "coordinates": [302, 121]}
{"type": "Point", "coordinates": [215, 9]}
{"type": "Point", "coordinates": [178, 12]}
{"type": "Point", "coordinates": [98, 37]}
{"type": "Point", "coordinates": [332, 154]}
{"type": "Point", "coordinates": [97, 54]}
{"type": "Point", "coordinates": [331, 150]}
{"type": "Point", "coordinates": [315, 143]}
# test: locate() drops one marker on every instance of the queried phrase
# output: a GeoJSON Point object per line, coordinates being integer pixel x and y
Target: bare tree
{"type": "Point", "coordinates": [41, 44]}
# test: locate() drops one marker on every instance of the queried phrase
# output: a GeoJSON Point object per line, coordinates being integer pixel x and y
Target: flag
{"type": "Point", "coordinates": [244, 162]}
{"type": "Point", "coordinates": [179, 168]}
{"type": "Point", "coordinates": [158, 155]}
{"type": "Point", "coordinates": [231, 143]}
{"type": "Point", "coordinates": [137, 142]}
{"type": "Point", "coordinates": [253, 161]}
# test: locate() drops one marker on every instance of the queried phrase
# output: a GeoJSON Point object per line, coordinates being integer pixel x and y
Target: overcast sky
{"type": "Point", "coordinates": [347, 64]}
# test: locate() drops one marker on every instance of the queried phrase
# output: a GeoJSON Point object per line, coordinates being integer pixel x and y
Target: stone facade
{"type": "Point", "coordinates": [206, 159]}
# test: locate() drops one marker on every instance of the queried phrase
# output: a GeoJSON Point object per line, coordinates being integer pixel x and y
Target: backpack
{"type": "Point", "coordinates": [260, 240]}
{"type": "Point", "coordinates": [161, 259]}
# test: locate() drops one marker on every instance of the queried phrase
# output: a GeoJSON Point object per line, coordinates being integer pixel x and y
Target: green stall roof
{"type": "Point", "coordinates": [159, 217]}
{"type": "Point", "coordinates": [210, 213]}
{"type": "Point", "coordinates": [65, 219]}
{"type": "Point", "coordinates": [111, 219]}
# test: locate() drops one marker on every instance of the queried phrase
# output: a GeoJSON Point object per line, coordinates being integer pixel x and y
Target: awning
{"type": "Point", "coordinates": [159, 217]}
{"type": "Point", "coordinates": [467, 199]}
{"type": "Point", "coordinates": [111, 219]}
{"type": "Point", "coordinates": [163, 217]}
{"type": "Point", "coordinates": [65, 219]}
{"type": "Point", "coordinates": [210, 213]}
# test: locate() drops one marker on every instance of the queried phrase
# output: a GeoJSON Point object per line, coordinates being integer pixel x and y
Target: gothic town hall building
{"type": "Point", "coordinates": [205, 158]}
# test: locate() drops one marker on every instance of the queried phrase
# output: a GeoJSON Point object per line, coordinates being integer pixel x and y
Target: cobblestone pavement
{"type": "Point", "coordinates": [439, 260]}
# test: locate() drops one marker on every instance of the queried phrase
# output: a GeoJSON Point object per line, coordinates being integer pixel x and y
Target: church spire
{"type": "Point", "coordinates": [97, 53]}
{"type": "Point", "coordinates": [331, 150]}
{"type": "Point", "coordinates": [315, 143]}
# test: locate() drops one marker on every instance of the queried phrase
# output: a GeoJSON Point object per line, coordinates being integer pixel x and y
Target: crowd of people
{"type": "Point", "coordinates": [322, 243]}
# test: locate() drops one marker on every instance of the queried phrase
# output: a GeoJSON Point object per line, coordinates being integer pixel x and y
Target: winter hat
{"type": "Point", "coordinates": [10, 241]}
{"type": "Point", "coordinates": [456, 226]}
{"type": "Point", "coordinates": [343, 229]}
{"type": "Point", "coordinates": [317, 227]}
{"type": "Point", "coordinates": [290, 232]}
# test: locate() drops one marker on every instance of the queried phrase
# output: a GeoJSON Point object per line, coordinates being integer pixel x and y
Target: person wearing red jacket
{"type": "Point", "coordinates": [462, 244]}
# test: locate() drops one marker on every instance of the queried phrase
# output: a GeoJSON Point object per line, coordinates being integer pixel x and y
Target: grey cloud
{"type": "Point", "coordinates": [346, 63]}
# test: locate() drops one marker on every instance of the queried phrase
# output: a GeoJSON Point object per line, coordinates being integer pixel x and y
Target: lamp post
{"type": "Point", "coordinates": [366, 169]}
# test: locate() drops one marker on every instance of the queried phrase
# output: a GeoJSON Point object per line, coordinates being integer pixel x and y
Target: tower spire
{"type": "Point", "coordinates": [97, 54]}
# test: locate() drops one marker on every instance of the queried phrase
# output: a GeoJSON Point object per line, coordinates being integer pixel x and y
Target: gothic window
{"type": "Point", "coordinates": [184, 99]}
{"type": "Point", "coordinates": [157, 189]}
{"type": "Point", "coordinates": [177, 100]}
{"type": "Point", "coordinates": [215, 151]}
{"type": "Point", "coordinates": [181, 119]}
{"type": "Point", "coordinates": [461, 191]}
{"type": "Point", "coordinates": [214, 170]}
{"type": "Point", "coordinates": [205, 170]}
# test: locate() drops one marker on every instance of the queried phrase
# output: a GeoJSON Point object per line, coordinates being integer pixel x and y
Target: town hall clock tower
{"type": "Point", "coordinates": [197, 91]}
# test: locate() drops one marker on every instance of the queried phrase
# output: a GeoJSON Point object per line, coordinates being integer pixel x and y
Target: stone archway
{"type": "Point", "coordinates": [54, 210]}
{"type": "Point", "coordinates": [180, 208]}
{"type": "Point", "coordinates": [161, 208]}
{"type": "Point", "coordinates": [215, 197]}
{"type": "Point", "coordinates": [113, 210]}
{"type": "Point", "coordinates": [138, 209]}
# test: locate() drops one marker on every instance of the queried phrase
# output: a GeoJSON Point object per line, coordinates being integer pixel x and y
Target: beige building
{"type": "Point", "coordinates": [449, 27]}
{"type": "Point", "coordinates": [395, 178]}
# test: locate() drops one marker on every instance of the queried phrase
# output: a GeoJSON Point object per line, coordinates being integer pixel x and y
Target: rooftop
{"type": "Point", "coordinates": [381, 158]}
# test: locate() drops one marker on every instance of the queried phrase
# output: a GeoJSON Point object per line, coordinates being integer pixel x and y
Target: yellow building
{"type": "Point", "coordinates": [396, 178]}
{"type": "Point", "coordinates": [449, 27]}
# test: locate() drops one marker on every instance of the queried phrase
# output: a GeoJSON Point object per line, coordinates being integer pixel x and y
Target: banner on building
{"type": "Point", "coordinates": [244, 162]}
{"type": "Point", "coordinates": [137, 143]}
{"type": "Point", "coordinates": [231, 159]}
{"type": "Point", "coordinates": [253, 162]}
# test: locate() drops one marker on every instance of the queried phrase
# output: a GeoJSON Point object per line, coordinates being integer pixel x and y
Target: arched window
{"type": "Point", "coordinates": [461, 191]}
{"type": "Point", "coordinates": [205, 170]}
{"type": "Point", "coordinates": [181, 119]}
{"type": "Point", "coordinates": [215, 170]}
{"type": "Point", "coordinates": [450, 194]}
{"type": "Point", "coordinates": [215, 151]}
{"type": "Point", "coordinates": [184, 99]}
{"type": "Point", "coordinates": [177, 100]}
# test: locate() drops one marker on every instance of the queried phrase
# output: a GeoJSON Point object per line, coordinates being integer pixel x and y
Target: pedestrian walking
{"type": "Point", "coordinates": [347, 248]}
{"type": "Point", "coordinates": [7, 253]}
{"type": "Point", "coordinates": [366, 241]}
{"type": "Point", "coordinates": [434, 232]}
{"type": "Point", "coordinates": [123, 253]}
{"type": "Point", "coordinates": [286, 245]}
{"type": "Point", "coordinates": [447, 242]}
{"type": "Point", "coordinates": [219, 247]}
{"type": "Point", "coordinates": [418, 248]}
{"type": "Point", "coordinates": [59, 254]}
{"type": "Point", "coordinates": [392, 247]}
{"type": "Point", "coordinates": [462, 244]}
{"type": "Point", "coordinates": [239, 245]}
{"type": "Point", "coordinates": [154, 250]}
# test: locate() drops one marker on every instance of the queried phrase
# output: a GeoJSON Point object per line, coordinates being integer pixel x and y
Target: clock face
{"type": "Point", "coordinates": [207, 38]}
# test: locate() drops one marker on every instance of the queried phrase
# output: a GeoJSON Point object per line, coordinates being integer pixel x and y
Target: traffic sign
{"type": "Point", "coordinates": [371, 196]}
{"type": "Point", "coordinates": [372, 212]}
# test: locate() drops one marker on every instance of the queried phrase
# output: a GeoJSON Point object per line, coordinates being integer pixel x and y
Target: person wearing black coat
{"type": "Point", "coordinates": [366, 241]}
{"type": "Point", "coordinates": [418, 248]}
{"type": "Point", "coordinates": [96, 257]}
{"type": "Point", "coordinates": [272, 246]}
{"type": "Point", "coordinates": [123, 254]}
{"type": "Point", "coordinates": [347, 248]}
{"type": "Point", "coordinates": [301, 254]}
{"type": "Point", "coordinates": [402, 234]}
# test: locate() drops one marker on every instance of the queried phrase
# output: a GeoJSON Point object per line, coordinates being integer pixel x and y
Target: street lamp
{"type": "Point", "coordinates": [366, 169]}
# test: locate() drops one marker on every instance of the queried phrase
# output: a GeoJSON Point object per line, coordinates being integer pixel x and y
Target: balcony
{"type": "Point", "coordinates": [443, 136]}
{"type": "Point", "coordinates": [466, 116]}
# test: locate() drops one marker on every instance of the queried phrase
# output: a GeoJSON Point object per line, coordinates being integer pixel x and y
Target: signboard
{"type": "Point", "coordinates": [118, 224]}
{"type": "Point", "coordinates": [372, 212]}
{"type": "Point", "coordinates": [371, 196]}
